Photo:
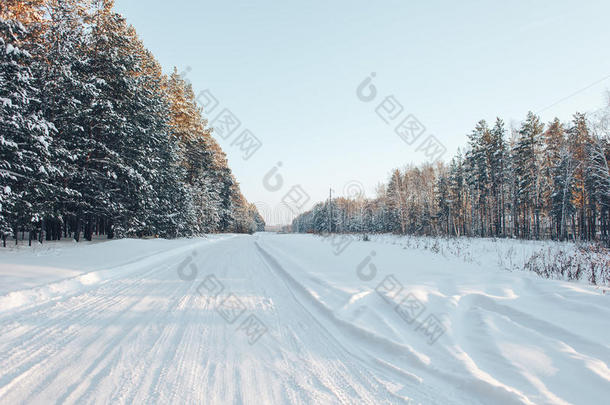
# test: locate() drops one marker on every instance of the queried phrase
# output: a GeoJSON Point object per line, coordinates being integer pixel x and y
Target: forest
{"type": "Point", "coordinates": [532, 181]}
{"type": "Point", "coordinates": [96, 140]}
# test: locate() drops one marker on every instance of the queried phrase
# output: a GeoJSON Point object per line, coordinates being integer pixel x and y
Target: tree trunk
{"type": "Point", "coordinates": [77, 229]}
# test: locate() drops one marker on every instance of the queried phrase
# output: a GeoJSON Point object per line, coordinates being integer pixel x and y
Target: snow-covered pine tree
{"type": "Point", "coordinates": [478, 175]}
{"type": "Point", "coordinates": [527, 173]}
{"type": "Point", "coordinates": [497, 156]}
{"type": "Point", "coordinates": [443, 203]}
{"type": "Point", "coordinates": [207, 175]}
{"type": "Point", "coordinates": [598, 179]}
{"type": "Point", "coordinates": [162, 203]}
{"type": "Point", "coordinates": [551, 172]}
{"type": "Point", "coordinates": [457, 195]}
{"type": "Point", "coordinates": [563, 192]}
{"type": "Point", "coordinates": [60, 74]}
{"type": "Point", "coordinates": [395, 203]}
{"type": "Point", "coordinates": [320, 218]}
{"type": "Point", "coordinates": [578, 142]}
{"type": "Point", "coordinates": [129, 153]}
{"type": "Point", "coordinates": [119, 142]}
{"type": "Point", "coordinates": [25, 136]}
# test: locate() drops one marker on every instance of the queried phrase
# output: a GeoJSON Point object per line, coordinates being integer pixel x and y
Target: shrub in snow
{"type": "Point", "coordinates": [590, 262]}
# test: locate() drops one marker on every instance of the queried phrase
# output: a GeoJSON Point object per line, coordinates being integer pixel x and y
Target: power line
{"type": "Point", "coordinates": [574, 94]}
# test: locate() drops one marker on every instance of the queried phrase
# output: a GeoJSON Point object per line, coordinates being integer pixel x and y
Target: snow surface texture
{"type": "Point", "coordinates": [293, 319]}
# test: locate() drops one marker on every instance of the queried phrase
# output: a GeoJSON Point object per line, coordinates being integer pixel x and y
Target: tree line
{"type": "Point", "coordinates": [95, 139]}
{"type": "Point", "coordinates": [541, 182]}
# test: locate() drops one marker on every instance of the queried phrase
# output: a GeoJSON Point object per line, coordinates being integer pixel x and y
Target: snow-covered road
{"type": "Point", "coordinates": [290, 319]}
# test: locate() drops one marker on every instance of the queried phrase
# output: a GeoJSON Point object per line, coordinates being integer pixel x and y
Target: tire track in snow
{"type": "Point", "coordinates": [374, 343]}
{"type": "Point", "coordinates": [357, 365]}
{"type": "Point", "coordinates": [110, 346]}
{"type": "Point", "coordinates": [115, 294]}
{"type": "Point", "coordinates": [54, 327]}
{"type": "Point", "coordinates": [47, 356]}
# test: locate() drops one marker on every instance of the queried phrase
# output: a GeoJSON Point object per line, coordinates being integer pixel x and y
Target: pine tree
{"type": "Point", "coordinates": [563, 187]}
{"type": "Point", "coordinates": [527, 158]}
{"type": "Point", "coordinates": [553, 170]}
{"type": "Point", "coordinates": [95, 139]}
{"type": "Point", "coordinates": [443, 202]}
{"type": "Point", "coordinates": [395, 203]}
{"type": "Point", "coordinates": [60, 55]}
{"type": "Point", "coordinates": [598, 176]}
{"type": "Point", "coordinates": [578, 141]}
{"type": "Point", "coordinates": [478, 164]}
{"type": "Point", "coordinates": [457, 195]}
{"type": "Point", "coordinates": [25, 137]}
{"type": "Point", "coordinates": [497, 156]}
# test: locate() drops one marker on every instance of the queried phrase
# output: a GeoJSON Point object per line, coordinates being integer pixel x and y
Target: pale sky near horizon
{"type": "Point", "coordinates": [289, 73]}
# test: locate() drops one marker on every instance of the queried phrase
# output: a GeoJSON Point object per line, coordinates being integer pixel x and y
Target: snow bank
{"type": "Point", "coordinates": [586, 262]}
{"type": "Point", "coordinates": [505, 337]}
{"type": "Point", "coordinates": [29, 275]}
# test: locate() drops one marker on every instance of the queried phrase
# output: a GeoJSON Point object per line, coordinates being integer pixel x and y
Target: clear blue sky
{"type": "Point", "coordinates": [289, 72]}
